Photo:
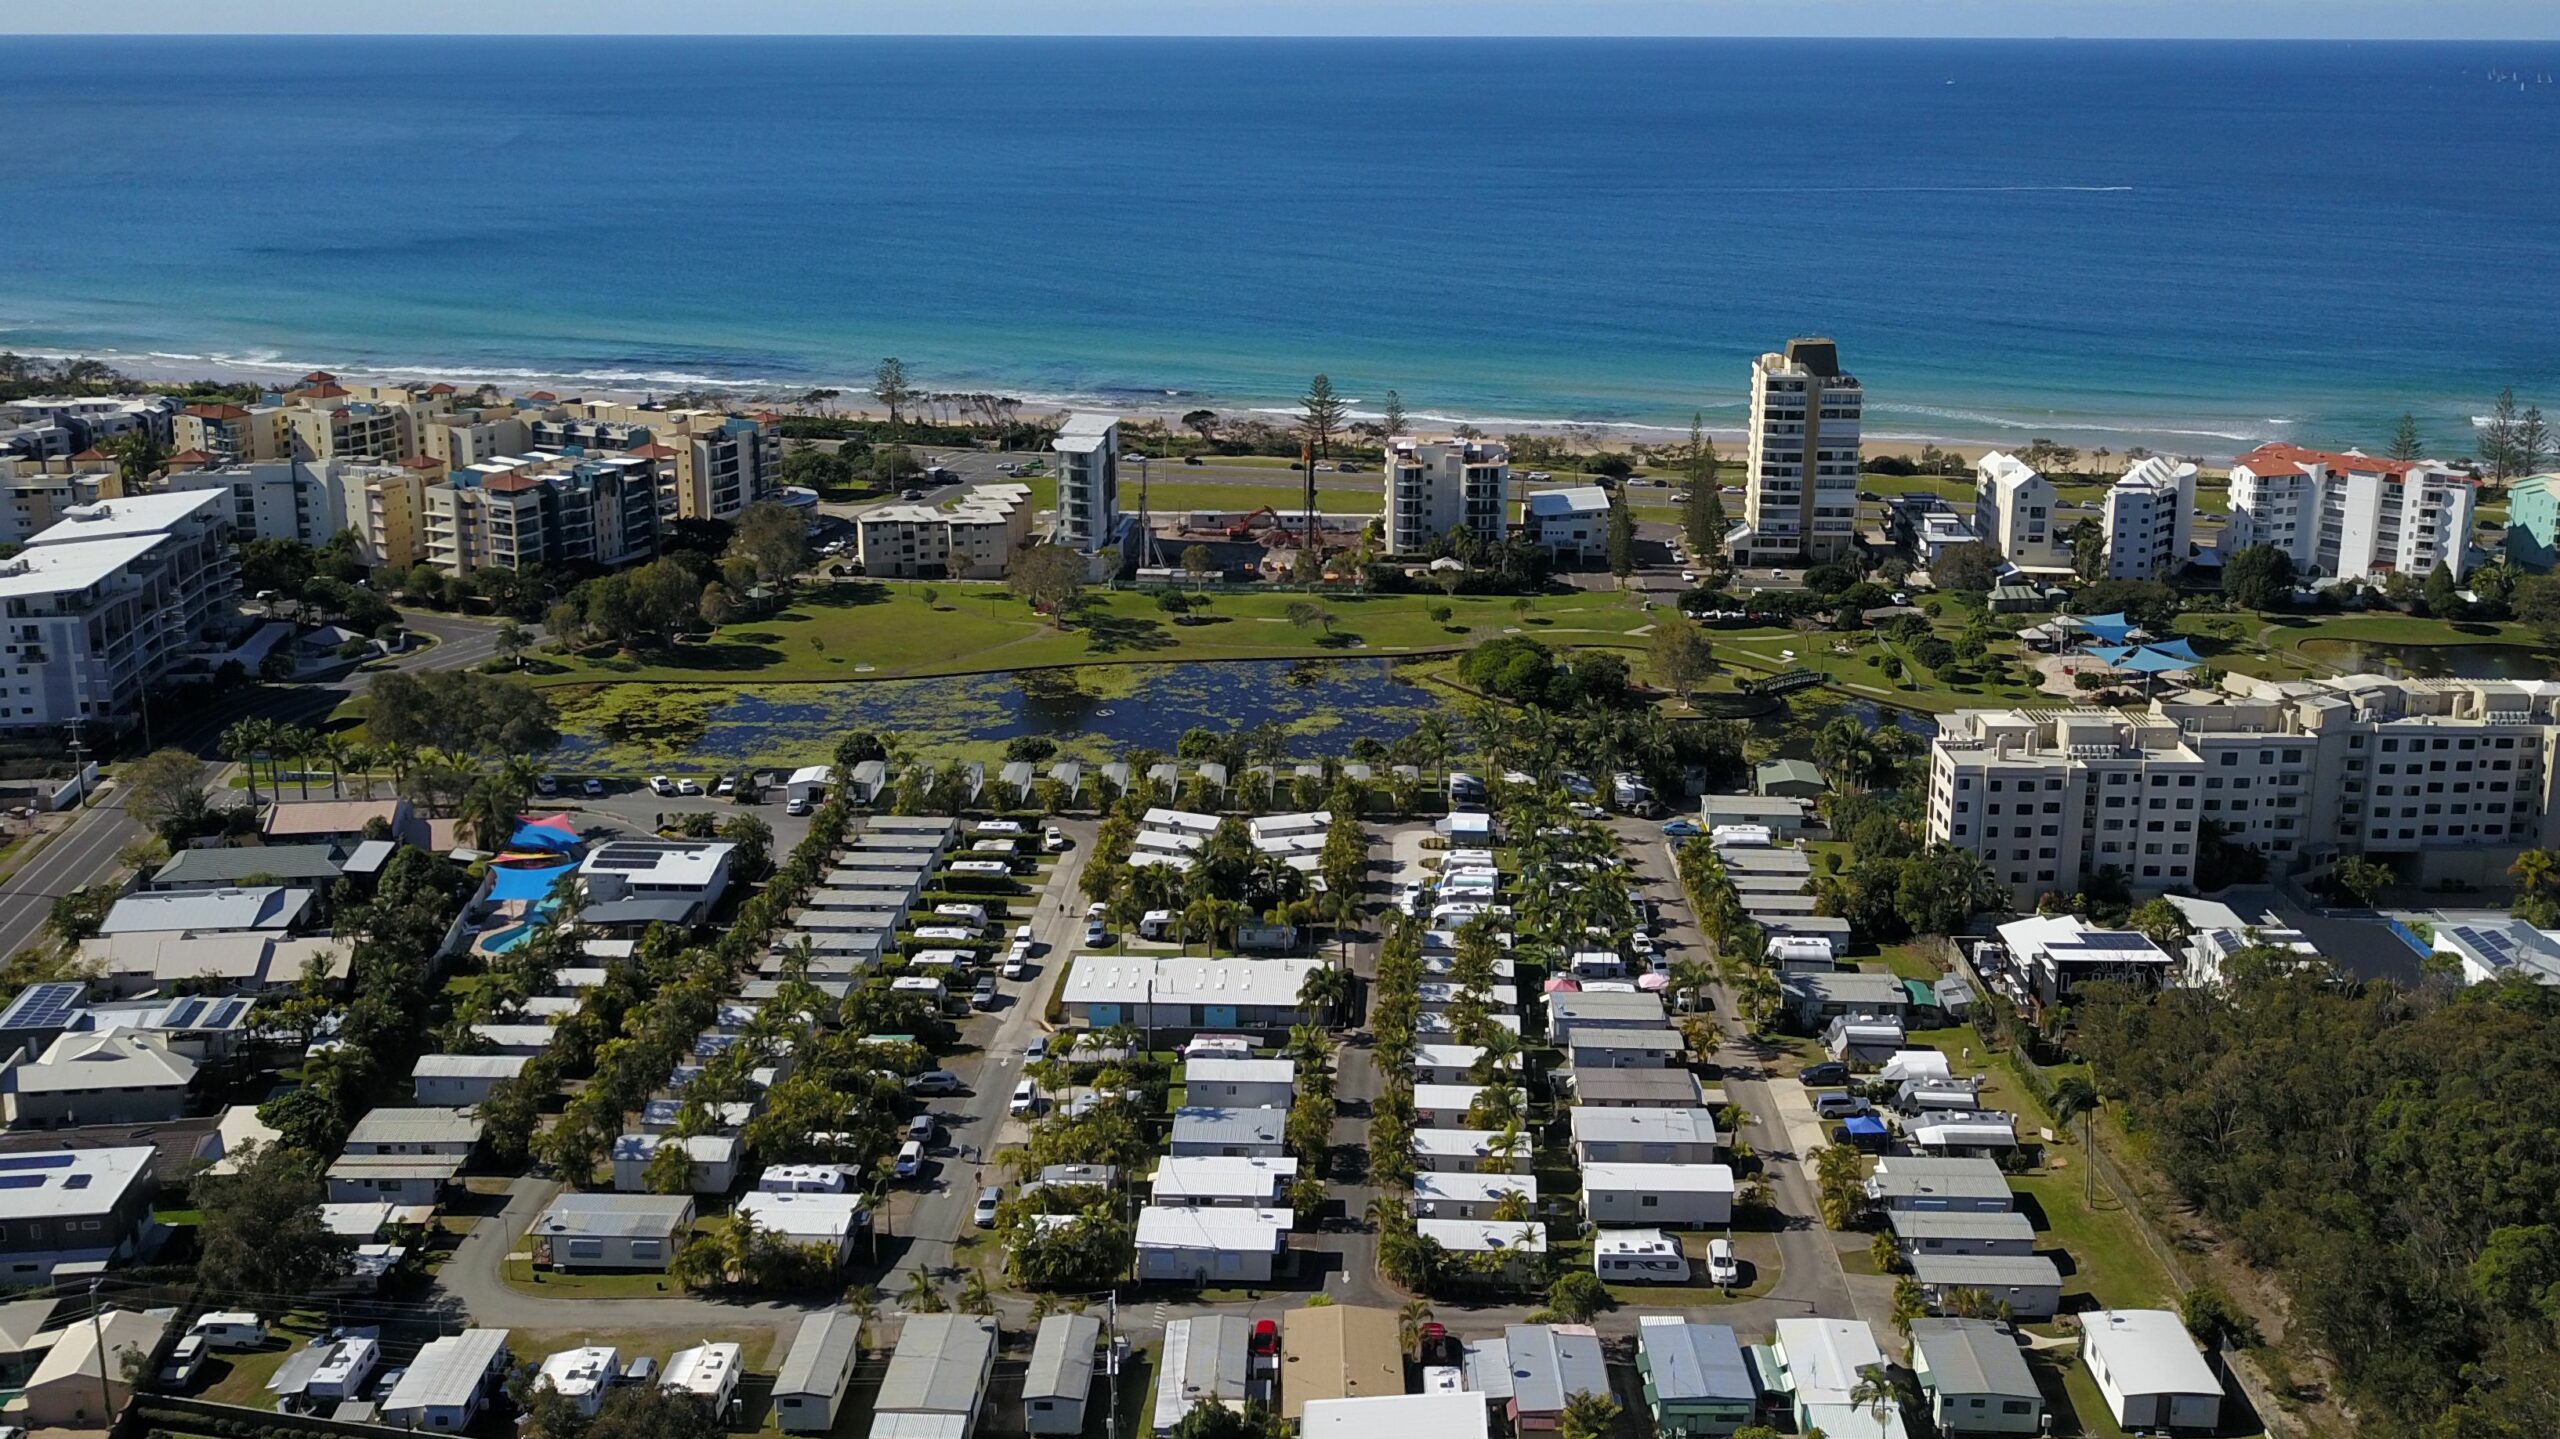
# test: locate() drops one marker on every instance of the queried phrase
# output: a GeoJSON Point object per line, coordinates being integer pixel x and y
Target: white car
{"type": "Point", "coordinates": [1722, 1267]}
{"type": "Point", "coordinates": [1096, 910]}
{"type": "Point", "coordinates": [1688, 577]}
{"type": "Point", "coordinates": [1022, 937]}
{"type": "Point", "coordinates": [661, 785]}
{"type": "Point", "coordinates": [728, 785]}
{"type": "Point", "coordinates": [1537, 475]}
{"type": "Point", "coordinates": [1038, 1048]}
{"type": "Point", "coordinates": [547, 784]}
{"type": "Point", "coordinates": [1026, 1097]}
{"type": "Point", "coordinates": [688, 786]}
{"type": "Point", "coordinates": [988, 1199]}
{"type": "Point", "coordinates": [1056, 838]}
{"type": "Point", "coordinates": [1017, 962]}
{"type": "Point", "coordinates": [1093, 931]}
{"type": "Point", "coordinates": [595, 789]}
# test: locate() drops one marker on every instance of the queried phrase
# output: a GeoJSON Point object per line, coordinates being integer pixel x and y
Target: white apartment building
{"type": "Point", "coordinates": [711, 465]}
{"type": "Point", "coordinates": [2150, 519]}
{"type": "Point", "coordinates": [1087, 454]}
{"type": "Point", "coordinates": [463, 438]}
{"type": "Point", "coordinates": [99, 607]}
{"type": "Point", "coordinates": [1800, 499]}
{"type": "Point", "coordinates": [1436, 484]}
{"type": "Point", "coordinates": [541, 509]}
{"type": "Point", "coordinates": [2449, 778]}
{"type": "Point", "coordinates": [974, 538]}
{"type": "Point", "coordinates": [34, 494]}
{"type": "Point", "coordinates": [2013, 512]}
{"type": "Point", "coordinates": [233, 434]}
{"type": "Point", "coordinates": [2350, 515]}
{"type": "Point", "coordinates": [274, 499]}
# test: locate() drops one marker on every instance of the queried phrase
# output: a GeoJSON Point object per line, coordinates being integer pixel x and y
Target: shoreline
{"type": "Point", "coordinates": [2212, 448]}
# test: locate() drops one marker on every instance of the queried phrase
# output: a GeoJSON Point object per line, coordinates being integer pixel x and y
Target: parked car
{"type": "Point", "coordinates": [988, 1199]}
{"type": "Point", "coordinates": [595, 789]}
{"type": "Point", "coordinates": [1837, 1104]}
{"type": "Point", "coordinates": [1038, 1048]}
{"type": "Point", "coordinates": [1683, 828]}
{"type": "Point", "coordinates": [1266, 1339]}
{"type": "Point", "coordinates": [1827, 1072]}
{"type": "Point", "coordinates": [727, 784]}
{"type": "Point", "coordinates": [1055, 839]}
{"type": "Point", "coordinates": [984, 997]}
{"type": "Point", "coordinates": [642, 1370]}
{"type": "Point", "coordinates": [688, 786]}
{"type": "Point", "coordinates": [934, 1081]}
{"type": "Point", "coordinates": [185, 1361]}
{"type": "Point", "coordinates": [920, 1129]}
{"type": "Point", "coordinates": [1026, 1098]}
{"type": "Point", "coordinates": [1023, 937]}
{"type": "Point", "coordinates": [1093, 932]}
{"type": "Point", "coordinates": [661, 785]}
{"type": "Point", "coordinates": [797, 807]}
{"type": "Point", "coordinates": [548, 784]}
{"type": "Point", "coordinates": [910, 1159]}
{"type": "Point", "coordinates": [1722, 1267]}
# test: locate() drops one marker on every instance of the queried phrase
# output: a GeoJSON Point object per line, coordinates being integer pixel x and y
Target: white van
{"type": "Point", "coordinates": [1155, 924]}
{"type": "Point", "coordinates": [230, 1329]}
{"type": "Point", "coordinates": [910, 1159]}
{"type": "Point", "coordinates": [1638, 1256]}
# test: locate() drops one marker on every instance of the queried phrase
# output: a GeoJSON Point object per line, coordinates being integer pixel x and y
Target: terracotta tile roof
{"type": "Point", "coordinates": [319, 377]}
{"type": "Point", "coordinates": [191, 457]}
{"type": "Point", "coordinates": [652, 452]}
{"type": "Point", "coordinates": [544, 397]}
{"type": "Point", "coordinates": [91, 453]}
{"type": "Point", "coordinates": [2283, 458]}
{"type": "Point", "coordinates": [422, 462]}
{"type": "Point", "coordinates": [322, 391]}
{"type": "Point", "coordinates": [441, 388]}
{"type": "Point", "coordinates": [217, 412]}
{"type": "Point", "coordinates": [511, 484]}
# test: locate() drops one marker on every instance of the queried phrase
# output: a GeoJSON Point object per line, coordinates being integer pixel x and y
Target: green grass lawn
{"type": "Point", "coordinates": [240, 1376]}
{"type": "Point", "coordinates": [556, 1284]}
{"type": "Point", "coordinates": [888, 631]}
{"type": "Point", "coordinates": [1167, 496]}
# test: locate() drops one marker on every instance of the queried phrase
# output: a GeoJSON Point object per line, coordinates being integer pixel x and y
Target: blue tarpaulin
{"type": "Point", "coordinates": [553, 832]}
{"type": "Point", "coordinates": [525, 884]}
{"type": "Point", "coordinates": [1863, 1126]}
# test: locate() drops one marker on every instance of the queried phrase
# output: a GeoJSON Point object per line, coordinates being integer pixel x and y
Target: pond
{"type": "Point", "coordinates": [1094, 713]}
{"type": "Point", "coordinates": [2466, 662]}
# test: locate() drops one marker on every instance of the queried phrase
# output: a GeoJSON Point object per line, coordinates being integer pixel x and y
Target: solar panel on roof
{"type": "Point", "coordinates": [185, 1013]}
{"type": "Point", "coordinates": [35, 1161]}
{"type": "Point", "coordinates": [44, 1006]}
{"type": "Point", "coordinates": [227, 1013]}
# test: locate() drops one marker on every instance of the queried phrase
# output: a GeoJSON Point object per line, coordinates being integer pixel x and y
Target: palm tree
{"type": "Point", "coordinates": [1503, 1150]}
{"type": "Point", "coordinates": [1385, 1212]}
{"type": "Point", "coordinates": [974, 1298]}
{"type": "Point", "coordinates": [2534, 869]}
{"type": "Point", "coordinates": [921, 1295]}
{"type": "Point", "coordinates": [1327, 990]}
{"type": "Point", "coordinates": [241, 742]}
{"type": "Point", "coordinates": [1310, 1047]}
{"type": "Point", "coordinates": [1875, 1390]}
{"type": "Point", "coordinates": [1409, 1322]}
{"type": "Point", "coordinates": [862, 1302]}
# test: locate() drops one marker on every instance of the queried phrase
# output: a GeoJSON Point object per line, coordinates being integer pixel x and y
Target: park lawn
{"type": "Point", "coordinates": [881, 631]}
{"type": "Point", "coordinates": [1168, 496]}
{"type": "Point", "coordinates": [1910, 961]}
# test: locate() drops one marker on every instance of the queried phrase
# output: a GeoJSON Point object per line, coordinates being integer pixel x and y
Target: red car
{"type": "Point", "coordinates": [1266, 1338]}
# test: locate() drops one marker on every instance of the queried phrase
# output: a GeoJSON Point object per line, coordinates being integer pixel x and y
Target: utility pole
{"type": "Point", "coordinates": [79, 769]}
{"type": "Point", "coordinates": [1111, 1337]}
{"type": "Point", "coordinates": [1307, 457]}
{"type": "Point", "coordinates": [98, 1338]}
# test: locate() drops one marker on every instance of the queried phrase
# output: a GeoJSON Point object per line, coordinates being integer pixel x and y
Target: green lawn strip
{"type": "Point", "coordinates": [587, 1284]}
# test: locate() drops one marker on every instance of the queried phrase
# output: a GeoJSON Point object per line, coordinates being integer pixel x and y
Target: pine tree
{"type": "Point", "coordinates": [1323, 418]}
{"type": "Point", "coordinates": [2498, 439]}
{"type": "Point", "coordinates": [2404, 440]}
{"type": "Point", "coordinates": [1622, 538]}
{"type": "Point", "coordinates": [1395, 418]}
{"type": "Point", "coordinates": [2532, 442]}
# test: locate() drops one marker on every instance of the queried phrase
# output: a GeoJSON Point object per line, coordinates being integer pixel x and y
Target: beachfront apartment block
{"type": "Point", "coordinates": [2533, 523]}
{"type": "Point", "coordinates": [1570, 522]}
{"type": "Point", "coordinates": [711, 464]}
{"type": "Point", "coordinates": [973, 538]}
{"type": "Point", "coordinates": [2150, 519]}
{"type": "Point", "coordinates": [1087, 455]}
{"type": "Point", "coordinates": [1437, 484]}
{"type": "Point", "coordinates": [2014, 513]}
{"type": "Point", "coordinates": [523, 510]}
{"type": "Point", "coordinates": [99, 607]}
{"type": "Point", "coordinates": [2349, 515]}
{"type": "Point", "coordinates": [2447, 779]}
{"type": "Point", "coordinates": [1800, 496]}
{"type": "Point", "coordinates": [233, 434]}
{"type": "Point", "coordinates": [272, 499]}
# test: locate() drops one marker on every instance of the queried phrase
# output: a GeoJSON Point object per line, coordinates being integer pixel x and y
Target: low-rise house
{"type": "Point", "coordinates": [84, 1381]}
{"type": "Point", "coordinates": [1059, 1382]}
{"type": "Point", "coordinates": [1443, 1106]}
{"type": "Point", "coordinates": [2052, 955]}
{"type": "Point", "coordinates": [1818, 997]}
{"type": "Point", "coordinates": [1452, 1414]}
{"type": "Point", "coordinates": [1663, 1196]}
{"type": "Point", "coordinates": [1211, 1244]}
{"type": "Point", "coordinates": [611, 1231]}
{"type": "Point", "coordinates": [1233, 1133]}
{"type": "Point", "coordinates": [420, 1129]}
{"type": "Point", "coordinates": [2027, 1285]}
{"type": "Point", "coordinates": [1938, 1231]}
{"type": "Point", "coordinates": [96, 1078]}
{"type": "Point", "coordinates": [1860, 1040]}
{"type": "Point", "coordinates": [332, 1370]}
{"type": "Point", "coordinates": [714, 1161]}
{"type": "Point", "coordinates": [1980, 1133]}
{"type": "Point", "coordinates": [1249, 1182]}
{"type": "Point", "coordinates": [937, 1375]}
{"type": "Point", "coordinates": [1625, 1048]}
{"type": "Point", "coordinates": [399, 1179]}
{"type": "Point", "coordinates": [1176, 996]}
{"type": "Point", "coordinates": [821, 1221]}
{"type": "Point", "coordinates": [521, 1041]}
{"type": "Point", "coordinates": [73, 1211]}
{"type": "Point", "coordinates": [2148, 1371]}
{"type": "Point", "coordinates": [1469, 1196]}
{"type": "Point", "coordinates": [1205, 1361]}
{"type": "Point", "coordinates": [462, 1079]}
{"type": "Point", "coordinates": [692, 872]}
{"type": "Point", "coordinates": [1240, 1083]}
{"type": "Point", "coordinates": [1919, 1183]}
{"type": "Point", "coordinates": [1447, 1151]}
{"type": "Point", "coordinates": [1517, 1247]}
{"type": "Point", "coordinates": [1338, 1351]}
{"type": "Point", "coordinates": [1637, 1089]}
{"type": "Point", "coordinates": [1975, 1378]}
{"type": "Point", "coordinates": [340, 822]}
{"type": "Point", "coordinates": [240, 964]}
{"type": "Point", "coordinates": [1821, 1365]}
{"type": "Point", "coordinates": [816, 1372]}
{"type": "Point", "coordinates": [1696, 1382]}
{"type": "Point", "coordinates": [269, 909]}
{"type": "Point", "coordinates": [314, 866]}
{"type": "Point", "coordinates": [1644, 1136]}
{"type": "Point", "coordinates": [450, 1381]}
{"type": "Point", "coordinates": [1576, 1012]}
{"type": "Point", "coordinates": [1551, 1363]}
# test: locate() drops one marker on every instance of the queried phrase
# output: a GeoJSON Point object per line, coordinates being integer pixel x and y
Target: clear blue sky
{"type": "Point", "coordinates": [2162, 19]}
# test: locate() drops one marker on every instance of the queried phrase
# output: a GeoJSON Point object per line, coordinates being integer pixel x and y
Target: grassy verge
{"type": "Point", "coordinates": [587, 1284]}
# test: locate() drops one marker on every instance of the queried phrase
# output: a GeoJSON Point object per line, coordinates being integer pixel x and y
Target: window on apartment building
{"type": "Point", "coordinates": [2051, 830]}
{"type": "Point", "coordinates": [2186, 781]}
{"type": "Point", "coordinates": [2045, 875]}
{"type": "Point", "coordinates": [2017, 854]}
{"type": "Point", "coordinates": [2115, 779]}
{"type": "Point", "coordinates": [2230, 759]}
{"type": "Point", "coordinates": [2389, 744]}
{"type": "Point", "coordinates": [2151, 871]}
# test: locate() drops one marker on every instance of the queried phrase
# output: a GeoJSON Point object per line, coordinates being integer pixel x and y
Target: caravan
{"type": "Point", "coordinates": [1638, 1256]}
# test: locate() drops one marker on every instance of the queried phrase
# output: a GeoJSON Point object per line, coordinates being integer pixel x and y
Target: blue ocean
{"type": "Point", "coordinates": [2186, 246]}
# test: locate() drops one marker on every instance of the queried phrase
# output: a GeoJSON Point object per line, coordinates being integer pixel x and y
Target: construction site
{"type": "Point", "coordinates": [1256, 544]}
